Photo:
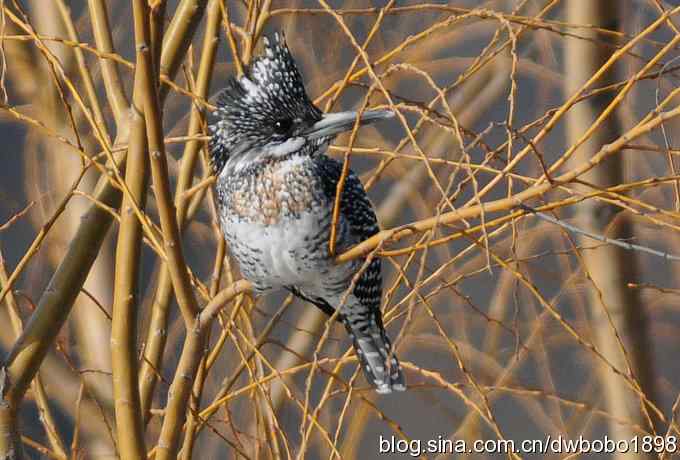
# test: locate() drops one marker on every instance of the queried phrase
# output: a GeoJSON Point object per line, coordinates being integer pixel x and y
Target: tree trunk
{"type": "Point", "coordinates": [608, 268]}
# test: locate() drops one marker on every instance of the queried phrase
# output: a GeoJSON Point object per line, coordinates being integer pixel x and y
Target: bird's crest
{"type": "Point", "coordinates": [272, 75]}
{"type": "Point", "coordinates": [253, 108]}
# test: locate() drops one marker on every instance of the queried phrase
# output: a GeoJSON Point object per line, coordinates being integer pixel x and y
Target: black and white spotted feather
{"type": "Point", "coordinates": [276, 191]}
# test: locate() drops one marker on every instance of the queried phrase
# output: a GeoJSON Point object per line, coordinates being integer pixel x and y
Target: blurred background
{"type": "Point", "coordinates": [509, 326]}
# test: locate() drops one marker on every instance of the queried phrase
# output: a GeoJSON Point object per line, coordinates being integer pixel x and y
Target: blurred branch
{"type": "Point", "coordinates": [41, 398]}
{"type": "Point", "coordinates": [11, 447]}
{"type": "Point", "coordinates": [115, 92]}
{"type": "Point", "coordinates": [616, 311]}
{"type": "Point", "coordinates": [574, 98]}
{"type": "Point", "coordinates": [52, 311]}
{"type": "Point", "coordinates": [599, 237]}
{"type": "Point", "coordinates": [85, 74]}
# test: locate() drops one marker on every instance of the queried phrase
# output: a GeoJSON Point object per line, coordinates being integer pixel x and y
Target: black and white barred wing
{"type": "Point", "coordinates": [362, 316]}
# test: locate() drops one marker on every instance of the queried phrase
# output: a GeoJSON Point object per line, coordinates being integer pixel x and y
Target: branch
{"type": "Point", "coordinates": [156, 336]}
{"type": "Point", "coordinates": [115, 91]}
{"type": "Point", "coordinates": [178, 38]}
{"type": "Point", "coordinates": [192, 353]}
{"type": "Point", "coordinates": [451, 217]}
{"type": "Point", "coordinates": [128, 261]}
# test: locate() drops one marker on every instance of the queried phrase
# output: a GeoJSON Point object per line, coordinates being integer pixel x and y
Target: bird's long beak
{"type": "Point", "coordinates": [335, 123]}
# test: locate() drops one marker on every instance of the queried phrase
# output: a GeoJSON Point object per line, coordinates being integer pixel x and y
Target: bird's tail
{"type": "Point", "coordinates": [374, 350]}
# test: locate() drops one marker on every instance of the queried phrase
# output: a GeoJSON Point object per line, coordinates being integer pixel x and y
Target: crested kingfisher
{"type": "Point", "coordinates": [275, 192]}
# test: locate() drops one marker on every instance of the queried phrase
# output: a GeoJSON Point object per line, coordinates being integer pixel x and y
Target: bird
{"type": "Point", "coordinates": [275, 194]}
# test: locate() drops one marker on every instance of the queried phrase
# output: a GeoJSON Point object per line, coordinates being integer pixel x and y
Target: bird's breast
{"type": "Point", "coordinates": [277, 224]}
{"type": "Point", "coordinates": [272, 194]}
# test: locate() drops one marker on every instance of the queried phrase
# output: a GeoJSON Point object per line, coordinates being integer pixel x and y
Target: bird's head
{"type": "Point", "coordinates": [266, 113]}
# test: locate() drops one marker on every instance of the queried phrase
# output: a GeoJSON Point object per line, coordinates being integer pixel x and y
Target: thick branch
{"type": "Point", "coordinates": [128, 263]}
{"type": "Point", "coordinates": [156, 337]}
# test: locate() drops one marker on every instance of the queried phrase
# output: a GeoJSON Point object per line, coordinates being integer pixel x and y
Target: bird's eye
{"type": "Point", "coordinates": [283, 126]}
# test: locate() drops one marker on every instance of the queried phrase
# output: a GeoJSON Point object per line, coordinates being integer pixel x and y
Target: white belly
{"type": "Point", "coordinates": [291, 252]}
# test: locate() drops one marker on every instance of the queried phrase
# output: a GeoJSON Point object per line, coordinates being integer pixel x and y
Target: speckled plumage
{"type": "Point", "coordinates": [275, 192]}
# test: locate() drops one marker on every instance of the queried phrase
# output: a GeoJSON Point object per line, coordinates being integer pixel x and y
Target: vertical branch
{"type": "Point", "coordinates": [10, 440]}
{"type": "Point", "coordinates": [616, 311]}
{"type": "Point", "coordinates": [64, 286]}
{"type": "Point", "coordinates": [85, 74]}
{"type": "Point", "coordinates": [156, 29]}
{"type": "Point", "coordinates": [178, 396]}
{"type": "Point", "coordinates": [178, 37]}
{"type": "Point", "coordinates": [57, 300]}
{"type": "Point", "coordinates": [125, 301]}
{"type": "Point", "coordinates": [180, 390]}
{"type": "Point", "coordinates": [91, 329]}
{"type": "Point", "coordinates": [190, 359]}
{"type": "Point", "coordinates": [161, 187]}
{"type": "Point", "coordinates": [39, 393]}
{"type": "Point", "coordinates": [115, 92]}
{"type": "Point", "coordinates": [155, 339]}
{"type": "Point", "coordinates": [192, 422]}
